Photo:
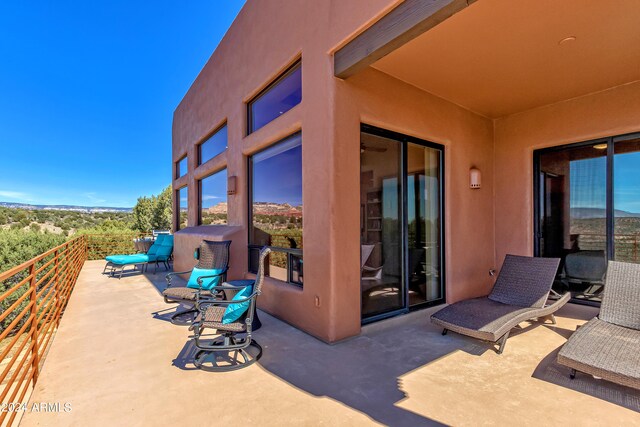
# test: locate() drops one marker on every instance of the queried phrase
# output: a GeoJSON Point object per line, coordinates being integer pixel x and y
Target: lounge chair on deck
{"type": "Point", "coordinates": [210, 271]}
{"type": "Point", "coordinates": [521, 293]}
{"type": "Point", "coordinates": [159, 252]}
{"type": "Point", "coordinates": [608, 346]}
{"type": "Point", "coordinates": [232, 317]}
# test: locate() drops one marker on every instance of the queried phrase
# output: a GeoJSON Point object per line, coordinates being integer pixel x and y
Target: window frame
{"type": "Point", "coordinates": [253, 248]}
{"type": "Point", "coordinates": [177, 167]}
{"type": "Point", "coordinates": [208, 138]}
{"type": "Point", "coordinates": [199, 185]}
{"type": "Point", "coordinates": [286, 73]}
{"type": "Point", "coordinates": [177, 207]}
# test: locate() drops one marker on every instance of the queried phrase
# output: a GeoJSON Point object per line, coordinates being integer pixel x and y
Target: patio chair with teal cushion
{"type": "Point", "coordinates": [159, 252]}
{"type": "Point", "coordinates": [210, 271]}
{"type": "Point", "coordinates": [233, 318]}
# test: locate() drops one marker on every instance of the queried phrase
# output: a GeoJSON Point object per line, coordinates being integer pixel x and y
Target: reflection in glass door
{"type": "Point", "coordinates": [401, 223]}
{"type": "Point", "coordinates": [626, 199]}
{"type": "Point", "coordinates": [588, 210]}
{"type": "Point", "coordinates": [423, 222]}
{"type": "Point", "coordinates": [381, 225]}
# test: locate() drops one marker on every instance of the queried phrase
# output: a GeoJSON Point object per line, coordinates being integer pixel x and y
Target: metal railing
{"type": "Point", "coordinates": [35, 297]}
{"type": "Point", "coordinates": [101, 245]}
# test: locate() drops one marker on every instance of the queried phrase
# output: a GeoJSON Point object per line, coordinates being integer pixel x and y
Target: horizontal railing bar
{"type": "Point", "coordinates": [24, 391]}
{"type": "Point", "coordinates": [46, 325]}
{"type": "Point", "coordinates": [45, 265]}
{"type": "Point", "coordinates": [8, 349]}
{"type": "Point", "coordinates": [13, 323]}
{"type": "Point", "coordinates": [14, 376]}
{"type": "Point", "coordinates": [13, 289]}
{"type": "Point", "coordinates": [12, 307]}
{"type": "Point", "coordinates": [7, 368]}
{"type": "Point", "coordinates": [49, 297]}
{"type": "Point", "coordinates": [39, 282]}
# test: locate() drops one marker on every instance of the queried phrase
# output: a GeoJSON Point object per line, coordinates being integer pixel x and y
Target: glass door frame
{"type": "Point", "coordinates": [610, 155]}
{"type": "Point", "coordinates": [404, 140]}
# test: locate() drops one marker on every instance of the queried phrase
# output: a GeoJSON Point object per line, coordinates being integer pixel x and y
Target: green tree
{"type": "Point", "coordinates": [142, 214]}
{"type": "Point", "coordinates": [162, 211]}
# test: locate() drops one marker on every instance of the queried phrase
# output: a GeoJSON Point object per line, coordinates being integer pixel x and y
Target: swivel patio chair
{"type": "Point", "coordinates": [159, 252]}
{"type": "Point", "coordinates": [608, 346]}
{"type": "Point", "coordinates": [233, 320]}
{"type": "Point", "coordinates": [210, 271]}
{"type": "Point", "coordinates": [521, 293]}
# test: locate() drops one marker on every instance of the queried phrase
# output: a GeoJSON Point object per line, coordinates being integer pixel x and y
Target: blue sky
{"type": "Point", "coordinates": [88, 91]}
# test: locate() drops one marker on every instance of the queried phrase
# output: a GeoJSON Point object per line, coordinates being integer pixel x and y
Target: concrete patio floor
{"type": "Point", "coordinates": [118, 364]}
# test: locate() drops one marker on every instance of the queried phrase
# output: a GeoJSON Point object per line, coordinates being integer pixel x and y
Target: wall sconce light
{"type": "Point", "coordinates": [231, 185]}
{"type": "Point", "coordinates": [475, 178]}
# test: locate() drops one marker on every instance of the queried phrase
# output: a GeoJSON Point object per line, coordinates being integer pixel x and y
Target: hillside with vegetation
{"type": "Point", "coordinates": [25, 233]}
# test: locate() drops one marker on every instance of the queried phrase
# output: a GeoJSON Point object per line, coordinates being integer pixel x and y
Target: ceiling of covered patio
{"type": "Point", "coordinates": [499, 57]}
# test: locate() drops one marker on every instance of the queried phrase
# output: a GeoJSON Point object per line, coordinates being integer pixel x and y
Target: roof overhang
{"type": "Point", "coordinates": [407, 21]}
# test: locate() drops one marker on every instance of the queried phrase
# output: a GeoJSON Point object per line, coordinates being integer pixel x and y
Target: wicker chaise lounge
{"type": "Point", "coordinates": [608, 346]}
{"type": "Point", "coordinates": [521, 293]}
{"type": "Point", "coordinates": [210, 271]}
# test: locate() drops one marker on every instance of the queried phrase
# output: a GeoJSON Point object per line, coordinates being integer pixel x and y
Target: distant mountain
{"type": "Point", "coordinates": [87, 209]}
{"type": "Point", "coordinates": [592, 213]}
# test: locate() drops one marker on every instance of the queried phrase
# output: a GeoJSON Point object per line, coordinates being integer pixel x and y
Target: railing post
{"type": "Point", "coordinates": [56, 283]}
{"type": "Point", "coordinates": [35, 361]}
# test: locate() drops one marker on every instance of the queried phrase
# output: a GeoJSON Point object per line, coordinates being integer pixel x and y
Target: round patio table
{"type": "Point", "coordinates": [142, 245]}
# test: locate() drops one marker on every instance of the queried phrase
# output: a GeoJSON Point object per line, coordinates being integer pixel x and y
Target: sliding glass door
{"type": "Point", "coordinates": [401, 223]}
{"type": "Point", "coordinates": [588, 210]}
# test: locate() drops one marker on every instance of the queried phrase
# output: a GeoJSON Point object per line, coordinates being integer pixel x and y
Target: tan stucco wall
{"type": "Point", "coordinates": [480, 225]}
{"type": "Point", "coordinates": [252, 53]}
{"type": "Point", "coordinates": [377, 99]}
{"type": "Point", "coordinates": [612, 112]}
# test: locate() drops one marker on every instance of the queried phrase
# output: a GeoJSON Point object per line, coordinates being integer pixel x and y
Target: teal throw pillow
{"type": "Point", "coordinates": [206, 283]}
{"type": "Point", "coordinates": [236, 310]}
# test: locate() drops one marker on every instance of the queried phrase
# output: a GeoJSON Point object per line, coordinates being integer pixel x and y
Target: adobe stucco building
{"type": "Point", "coordinates": [365, 117]}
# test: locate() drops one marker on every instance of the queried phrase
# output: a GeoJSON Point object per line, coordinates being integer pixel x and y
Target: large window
{"type": "Point", "coordinates": [276, 99]}
{"type": "Point", "coordinates": [588, 210]}
{"type": "Point", "coordinates": [213, 198]}
{"type": "Point", "coordinates": [183, 204]}
{"type": "Point", "coordinates": [276, 209]}
{"type": "Point", "coordinates": [213, 146]}
{"type": "Point", "coordinates": [181, 167]}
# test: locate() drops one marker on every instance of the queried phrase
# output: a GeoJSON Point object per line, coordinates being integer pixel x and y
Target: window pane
{"type": "Point", "coordinates": [277, 204]}
{"type": "Point", "coordinates": [213, 146]}
{"type": "Point", "coordinates": [626, 196]}
{"type": "Point", "coordinates": [183, 200]}
{"type": "Point", "coordinates": [573, 208]}
{"type": "Point", "coordinates": [213, 199]}
{"type": "Point", "coordinates": [381, 225]}
{"type": "Point", "coordinates": [277, 99]}
{"type": "Point", "coordinates": [423, 214]}
{"type": "Point", "coordinates": [181, 167]}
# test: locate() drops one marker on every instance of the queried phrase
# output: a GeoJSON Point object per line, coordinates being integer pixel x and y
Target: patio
{"type": "Point", "coordinates": [118, 363]}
